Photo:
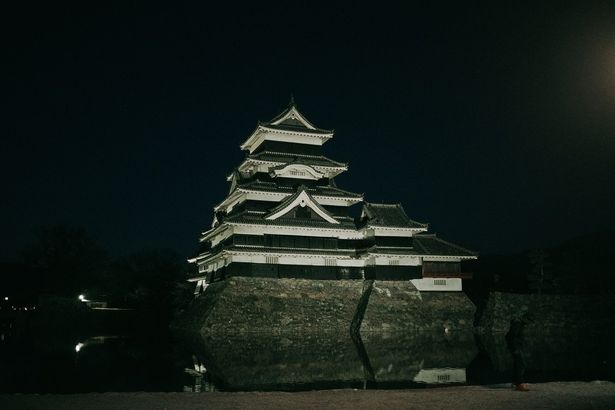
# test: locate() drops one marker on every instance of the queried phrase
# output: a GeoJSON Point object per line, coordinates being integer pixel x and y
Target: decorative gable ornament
{"type": "Point", "coordinates": [290, 126]}
{"type": "Point", "coordinates": [298, 171]}
{"type": "Point", "coordinates": [293, 114]}
{"type": "Point", "coordinates": [302, 200]}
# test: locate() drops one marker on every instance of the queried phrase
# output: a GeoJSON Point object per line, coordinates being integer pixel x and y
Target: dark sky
{"type": "Point", "coordinates": [494, 124]}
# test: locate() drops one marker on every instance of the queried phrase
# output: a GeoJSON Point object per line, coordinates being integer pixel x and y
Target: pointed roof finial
{"type": "Point", "coordinates": [292, 100]}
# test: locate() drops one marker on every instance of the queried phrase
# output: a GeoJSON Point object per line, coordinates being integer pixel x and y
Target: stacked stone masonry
{"type": "Point", "coordinates": [277, 306]}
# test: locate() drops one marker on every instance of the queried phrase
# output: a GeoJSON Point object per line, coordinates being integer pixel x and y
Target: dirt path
{"type": "Point", "coordinates": [570, 395]}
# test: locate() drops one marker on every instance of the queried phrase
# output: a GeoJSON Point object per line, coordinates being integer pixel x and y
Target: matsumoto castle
{"type": "Point", "coordinates": [285, 217]}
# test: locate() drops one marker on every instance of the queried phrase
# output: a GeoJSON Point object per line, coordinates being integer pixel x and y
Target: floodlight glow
{"type": "Point", "coordinates": [78, 347]}
{"type": "Point", "coordinates": [82, 297]}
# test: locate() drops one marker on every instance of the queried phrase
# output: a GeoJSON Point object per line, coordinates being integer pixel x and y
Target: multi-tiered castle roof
{"type": "Point", "coordinates": [284, 217]}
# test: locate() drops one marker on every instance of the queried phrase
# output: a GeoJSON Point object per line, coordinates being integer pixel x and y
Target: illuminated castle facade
{"type": "Point", "coordinates": [284, 217]}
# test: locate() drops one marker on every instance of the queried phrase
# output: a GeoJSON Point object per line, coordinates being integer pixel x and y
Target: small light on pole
{"type": "Point", "coordinates": [6, 298]}
{"type": "Point", "coordinates": [82, 298]}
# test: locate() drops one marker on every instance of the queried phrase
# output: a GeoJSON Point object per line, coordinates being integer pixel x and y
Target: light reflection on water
{"type": "Point", "coordinates": [96, 340]}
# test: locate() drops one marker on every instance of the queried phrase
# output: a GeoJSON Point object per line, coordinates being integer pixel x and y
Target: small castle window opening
{"type": "Point", "coordinates": [439, 282]}
{"type": "Point", "coordinates": [271, 260]}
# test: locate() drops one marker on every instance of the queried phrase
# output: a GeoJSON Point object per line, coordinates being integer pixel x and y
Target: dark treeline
{"type": "Point", "coordinates": [582, 265]}
{"type": "Point", "coordinates": [63, 262]}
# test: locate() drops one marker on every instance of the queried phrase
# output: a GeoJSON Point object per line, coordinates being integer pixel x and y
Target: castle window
{"type": "Point", "coordinates": [297, 173]}
{"type": "Point", "coordinates": [302, 242]}
{"type": "Point", "coordinates": [316, 243]}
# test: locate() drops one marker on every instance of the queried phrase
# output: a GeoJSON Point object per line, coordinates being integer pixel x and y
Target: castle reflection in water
{"type": "Point", "coordinates": [290, 362]}
{"type": "Point", "coordinates": [316, 361]}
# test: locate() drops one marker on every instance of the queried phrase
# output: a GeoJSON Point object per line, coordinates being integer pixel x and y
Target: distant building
{"type": "Point", "coordinates": [284, 217]}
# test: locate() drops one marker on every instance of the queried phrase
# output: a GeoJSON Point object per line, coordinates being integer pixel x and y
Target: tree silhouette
{"type": "Point", "coordinates": [65, 259]}
{"type": "Point", "coordinates": [149, 280]}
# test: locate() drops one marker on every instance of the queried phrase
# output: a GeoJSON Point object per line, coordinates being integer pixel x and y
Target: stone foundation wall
{"type": "Point", "coordinates": [400, 307]}
{"type": "Point", "coordinates": [277, 306]}
{"type": "Point", "coordinates": [552, 312]}
{"type": "Point", "coordinates": [239, 305]}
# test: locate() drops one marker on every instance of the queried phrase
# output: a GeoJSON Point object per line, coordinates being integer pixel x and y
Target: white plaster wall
{"type": "Point", "coordinates": [428, 284]}
{"type": "Point", "coordinates": [311, 260]}
{"type": "Point", "coordinates": [297, 231]}
{"type": "Point", "coordinates": [440, 376]}
{"type": "Point", "coordinates": [384, 260]}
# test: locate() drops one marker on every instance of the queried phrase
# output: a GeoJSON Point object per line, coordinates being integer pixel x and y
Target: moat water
{"type": "Point", "coordinates": [162, 362]}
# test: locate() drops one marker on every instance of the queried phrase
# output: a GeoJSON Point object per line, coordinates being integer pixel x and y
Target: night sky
{"type": "Point", "coordinates": [494, 124]}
